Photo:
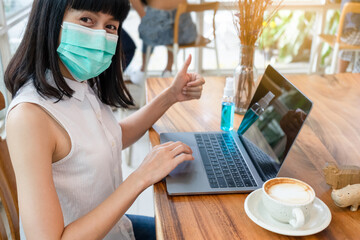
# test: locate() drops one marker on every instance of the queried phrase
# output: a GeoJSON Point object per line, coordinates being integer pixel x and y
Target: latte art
{"type": "Point", "coordinates": [292, 193]}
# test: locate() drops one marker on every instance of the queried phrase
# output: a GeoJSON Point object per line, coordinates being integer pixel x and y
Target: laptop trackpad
{"type": "Point", "coordinates": [181, 169]}
{"type": "Point", "coordinates": [186, 167]}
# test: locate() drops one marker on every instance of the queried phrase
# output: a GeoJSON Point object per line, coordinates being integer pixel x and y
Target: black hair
{"type": "Point", "coordinates": [38, 52]}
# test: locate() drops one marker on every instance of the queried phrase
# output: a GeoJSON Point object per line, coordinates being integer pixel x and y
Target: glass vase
{"type": "Point", "coordinates": [245, 76]}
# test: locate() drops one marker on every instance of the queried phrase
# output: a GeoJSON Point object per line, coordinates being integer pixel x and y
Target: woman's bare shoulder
{"type": "Point", "coordinates": [29, 118]}
{"type": "Point", "coordinates": [23, 112]}
{"type": "Point", "coordinates": [28, 124]}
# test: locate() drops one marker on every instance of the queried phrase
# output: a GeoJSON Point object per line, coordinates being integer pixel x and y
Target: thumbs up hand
{"type": "Point", "coordinates": [187, 86]}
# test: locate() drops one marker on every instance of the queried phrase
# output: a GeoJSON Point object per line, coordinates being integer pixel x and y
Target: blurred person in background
{"type": "Point", "coordinates": [128, 47]}
{"type": "Point", "coordinates": [350, 35]}
{"type": "Point", "coordinates": [157, 28]}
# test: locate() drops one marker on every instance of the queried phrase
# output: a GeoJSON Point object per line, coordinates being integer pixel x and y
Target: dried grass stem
{"type": "Point", "coordinates": [249, 18]}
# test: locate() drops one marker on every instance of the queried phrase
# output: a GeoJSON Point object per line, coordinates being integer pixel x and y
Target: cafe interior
{"type": "Point", "coordinates": [313, 61]}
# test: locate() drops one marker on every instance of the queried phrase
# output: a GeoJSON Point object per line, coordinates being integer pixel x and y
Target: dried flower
{"type": "Point", "coordinates": [249, 18]}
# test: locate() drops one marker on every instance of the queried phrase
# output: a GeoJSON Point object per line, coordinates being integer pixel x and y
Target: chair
{"type": "Point", "coordinates": [200, 42]}
{"type": "Point", "coordinates": [8, 192]}
{"type": "Point", "coordinates": [335, 40]}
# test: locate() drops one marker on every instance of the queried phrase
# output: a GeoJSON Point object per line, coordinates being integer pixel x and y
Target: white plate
{"type": "Point", "coordinates": [320, 218]}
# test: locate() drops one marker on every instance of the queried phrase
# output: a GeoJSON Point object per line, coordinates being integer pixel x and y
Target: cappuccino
{"type": "Point", "coordinates": [289, 191]}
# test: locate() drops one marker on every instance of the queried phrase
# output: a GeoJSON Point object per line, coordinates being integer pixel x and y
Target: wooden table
{"type": "Point", "coordinates": [331, 134]}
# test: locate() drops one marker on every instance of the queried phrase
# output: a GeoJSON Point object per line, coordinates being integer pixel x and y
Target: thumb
{"type": "Point", "coordinates": [186, 65]}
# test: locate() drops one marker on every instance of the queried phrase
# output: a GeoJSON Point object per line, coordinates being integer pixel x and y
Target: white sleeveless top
{"type": "Point", "coordinates": [92, 169]}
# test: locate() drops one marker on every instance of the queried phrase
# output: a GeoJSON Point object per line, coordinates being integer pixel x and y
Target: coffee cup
{"type": "Point", "coordinates": [288, 200]}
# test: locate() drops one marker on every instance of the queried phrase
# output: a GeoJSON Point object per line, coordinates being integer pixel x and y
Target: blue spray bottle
{"type": "Point", "coordinates": [254, 112]}
{"type": "Point", "coordinates": [228, 106]}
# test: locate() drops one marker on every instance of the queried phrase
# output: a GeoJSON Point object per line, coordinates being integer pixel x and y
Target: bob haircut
{"type": "Point", "coordinates": [38, 52]}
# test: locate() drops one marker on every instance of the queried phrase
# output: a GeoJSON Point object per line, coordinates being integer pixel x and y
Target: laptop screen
{"type": "Point", "coordinates": [273, 120]}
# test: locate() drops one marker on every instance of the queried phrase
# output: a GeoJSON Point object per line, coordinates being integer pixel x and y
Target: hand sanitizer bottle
{"type": "Point", "coordinates": [254, 112]}
{"type": "Point", "coordinates": [228, 106]}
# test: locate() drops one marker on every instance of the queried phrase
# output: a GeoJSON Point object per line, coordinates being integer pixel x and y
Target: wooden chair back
{"type": "Point", "coordinates": [8, 192]}
{"type": "Point", "coordinates": [185, 7]}
{"type": "Point", "coordinates": [350, 7]}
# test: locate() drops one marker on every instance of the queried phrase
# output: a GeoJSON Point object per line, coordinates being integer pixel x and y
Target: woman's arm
{"type": "Point", "coordinates": [33, 143]}
{"type": "Point", "coordinates": [185, 87]}
{"type": "Point", "coordinates": [139, 7]}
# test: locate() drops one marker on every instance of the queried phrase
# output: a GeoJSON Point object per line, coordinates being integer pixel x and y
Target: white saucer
{"type": "Point", "coordinates": [320, 217]}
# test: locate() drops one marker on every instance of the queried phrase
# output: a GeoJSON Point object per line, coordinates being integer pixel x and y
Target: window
{"type": "Point", "coordinates": [14, 6]}
{"type": "Point", "coordinates": [13, 19]}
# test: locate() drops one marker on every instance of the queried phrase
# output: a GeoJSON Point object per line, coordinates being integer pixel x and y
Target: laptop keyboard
{"type": "Point", "coordinates": [225, 167]}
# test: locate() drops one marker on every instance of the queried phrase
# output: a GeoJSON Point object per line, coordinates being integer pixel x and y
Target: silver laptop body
{"type": "Point", "coordinates": [246, 158]}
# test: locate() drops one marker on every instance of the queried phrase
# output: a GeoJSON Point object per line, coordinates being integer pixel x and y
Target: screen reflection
{"type": "Point", "coordinates": [274, 118]}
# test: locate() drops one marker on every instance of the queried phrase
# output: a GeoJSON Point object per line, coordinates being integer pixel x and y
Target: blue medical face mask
{"type": "Point", "coordinates": [85, 52]}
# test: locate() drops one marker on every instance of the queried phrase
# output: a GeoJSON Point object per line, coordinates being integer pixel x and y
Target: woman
{"type": "Point", "coordinates": [64, 142]}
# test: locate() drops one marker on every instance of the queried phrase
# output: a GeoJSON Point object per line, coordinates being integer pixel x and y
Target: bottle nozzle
{"type": "Point", "coordinates": [264, 102]}
{"type": "Point", "coordinates": [229, 87]}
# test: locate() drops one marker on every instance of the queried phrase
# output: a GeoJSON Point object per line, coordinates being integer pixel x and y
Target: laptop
{"type": "Point", "coordinates": [241, 161]}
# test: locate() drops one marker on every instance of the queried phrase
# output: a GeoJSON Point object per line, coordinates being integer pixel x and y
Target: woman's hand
{"type": "Point", "coordinates": [186, 86]}
{"type": "Point", "coordinates": [162, 160]}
